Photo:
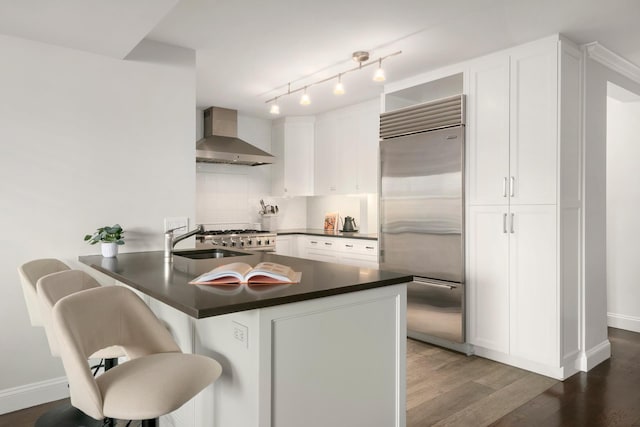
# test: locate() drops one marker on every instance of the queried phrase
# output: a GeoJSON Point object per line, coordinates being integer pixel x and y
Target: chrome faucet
{"type": "Point", "coordinates": [170, 241]}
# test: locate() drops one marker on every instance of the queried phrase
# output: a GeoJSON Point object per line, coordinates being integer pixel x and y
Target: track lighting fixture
{"type": "Point", "coordinates": [338, 89]}
{"type": "Point", "coordinates": [361, 57]}
{"type": "Point", "coordinates": [304, 99]}
{"type": "Point", "coordinates": [275, 108]}
{"type": "Point", "coordinates": [379, 76]}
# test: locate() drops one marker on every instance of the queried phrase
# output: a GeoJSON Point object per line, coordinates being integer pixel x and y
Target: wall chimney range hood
{"type": "Point", "coordinates": [221, 143]}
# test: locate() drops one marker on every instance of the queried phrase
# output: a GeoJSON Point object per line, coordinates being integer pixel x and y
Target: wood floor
{"type": "Point", "coordinates": [450, 389]}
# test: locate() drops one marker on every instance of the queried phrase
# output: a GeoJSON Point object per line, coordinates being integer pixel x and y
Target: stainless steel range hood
{"type": "Point", "coordinates": [221, 143]}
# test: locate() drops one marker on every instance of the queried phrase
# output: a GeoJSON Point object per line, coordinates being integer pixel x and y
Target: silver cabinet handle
{"type": "Point", "coordinates": [512, 189]}
{"type": "Point", "coordinates": [512, 230]}
{"type": "Point", "coordinates": [504, 223]}
{"type": "Point", "coordinates": [504, 187]}
{"type": "Point", "coordinates": [368, 247]}
{"type": "Point", "coordinates": [313, 242]}
{"type": "Point", "coordinates": [328, 244]}
{"type": "Point", "coordinates": [348, 246]}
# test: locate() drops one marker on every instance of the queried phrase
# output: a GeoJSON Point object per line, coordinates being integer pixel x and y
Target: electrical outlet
{"type": "Point", "coordinates": [177, 222]}
{"type": "Point", "coordinates": [241, 333]}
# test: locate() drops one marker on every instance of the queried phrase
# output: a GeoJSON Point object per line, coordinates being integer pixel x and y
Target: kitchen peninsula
{"type": "Point", "coordinates": [329, 350]}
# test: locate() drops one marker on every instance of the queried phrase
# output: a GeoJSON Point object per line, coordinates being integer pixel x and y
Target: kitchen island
{"type": "Point", "coordinates": [329, 350]}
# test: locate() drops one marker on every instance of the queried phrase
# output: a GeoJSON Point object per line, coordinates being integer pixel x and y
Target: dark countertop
{"type": "Point", "coordinates": [321, 232]}
{"type": "Point", "coordinates": [168, 282]}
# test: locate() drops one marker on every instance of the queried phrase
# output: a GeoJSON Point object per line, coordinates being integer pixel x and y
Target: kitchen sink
{"type": "Point", "coordinates": [209, 253]}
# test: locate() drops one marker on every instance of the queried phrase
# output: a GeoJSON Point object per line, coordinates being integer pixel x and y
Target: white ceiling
{"type": "Point", "coordinates": [248, 50]}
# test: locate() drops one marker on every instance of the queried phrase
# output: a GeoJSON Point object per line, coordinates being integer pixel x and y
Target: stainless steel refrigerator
{"type": "Point", "coordinates": [422, 215]}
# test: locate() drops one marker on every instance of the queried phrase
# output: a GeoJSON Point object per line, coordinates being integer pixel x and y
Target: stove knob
{"type": "Point", "coordinates": [267, 242]}
{"type": "Point", "coordinates": [259, 242]}
{"type": "Point", "coordinates": [225, 244]}
{"type": "Point", "coordinates": [242, 243]}
{"type": "Point", "coordinates": [233, 243]}
{"type": "Point", "coordinates": [249, 242]}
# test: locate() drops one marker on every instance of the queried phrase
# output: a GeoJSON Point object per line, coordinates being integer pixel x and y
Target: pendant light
{"type": "Point", "coordinates": [304, 99]}
{"type": "Point", "coordinates": [339, 87]}
{"type": "Point", "coordinates": [379, 76]}
{"type": "Point", "coordinates": [275, 108]}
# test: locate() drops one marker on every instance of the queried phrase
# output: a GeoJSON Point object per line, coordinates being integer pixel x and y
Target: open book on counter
{"type": "Point", "coordinates": [265, 273]}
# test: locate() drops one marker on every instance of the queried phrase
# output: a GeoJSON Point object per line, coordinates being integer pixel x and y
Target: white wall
{"type": "Point", "coordinates": [85, 141]}
{"type": "Point", "coordinates": [595, 243]}
{"type": "Point", "coordinates": [623, 205]}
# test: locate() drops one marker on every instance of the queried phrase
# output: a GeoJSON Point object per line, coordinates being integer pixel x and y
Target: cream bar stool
{"type": "Point", "coordinates": [157, 379]}
{"type": "Point", "coordinates": [63, 281]}
{"type": "Point", "coordinates": [30, 273]}
{"type": "Point", "coordinates": [56, 286]}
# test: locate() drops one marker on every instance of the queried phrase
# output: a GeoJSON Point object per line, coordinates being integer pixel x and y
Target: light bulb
{"type": "Point", "coordinates": [379, 74]}
{"type": "Point", "coordinates": [339, 87]}
{"type": "Point", "coordinates": [304, 99]}
{"type": "Point", "coordinates": [275, 108]}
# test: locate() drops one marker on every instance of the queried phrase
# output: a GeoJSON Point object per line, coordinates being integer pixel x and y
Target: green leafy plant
{"type": "Point", "coordinates": [113, 234]}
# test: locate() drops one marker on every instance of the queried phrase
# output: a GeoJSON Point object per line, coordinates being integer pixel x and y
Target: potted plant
{"type": "Point", "coordinates": [109, 237]}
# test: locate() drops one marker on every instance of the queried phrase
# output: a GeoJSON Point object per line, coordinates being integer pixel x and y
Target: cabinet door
{"type": "Point", "coordinates": [277, 149]}
{"type": "Point", "coordinates": [286, 245]}
{"type": "Point", "coordinates": [534, 124]}
{"type": "Point", "coordinates": [488, 277]}
{"type": "Point", "coordinates": [298, 165]}
{"type": "Point", "coordinates": [369, 149]}
{"type": "Point", "coordinates": [488, 131]}
{"type": "Point", "coordinates": [347, 156]}
{"type": "Point", "coordinates": [533, 284]}
{"type": "Point", "coordinates": [325, 156]}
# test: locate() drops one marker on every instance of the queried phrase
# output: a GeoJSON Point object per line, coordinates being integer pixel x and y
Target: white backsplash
{"type": "Point", "coordinates": [229, 194]}
{"type": "Point", "coordinates": [363, 207]}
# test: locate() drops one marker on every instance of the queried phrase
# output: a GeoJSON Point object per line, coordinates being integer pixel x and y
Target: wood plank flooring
{"type": "Point", "coordinates": [449, 389]}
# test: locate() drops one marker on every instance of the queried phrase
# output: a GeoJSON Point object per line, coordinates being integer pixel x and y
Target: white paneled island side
{"type": "Point", "coordinates": [329, 350]}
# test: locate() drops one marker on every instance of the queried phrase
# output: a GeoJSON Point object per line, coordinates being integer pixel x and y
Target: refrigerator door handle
{"type": "Point", "coordinates": [504, 223]}
{"type": "Point", "coordinates": [504, 187]}
{"type": "Point", "coordinates": [512, 186]}
{"type": "Point", "coordinates": [512, 230]}
{"type": "Point", "coordinates": [432, 283]}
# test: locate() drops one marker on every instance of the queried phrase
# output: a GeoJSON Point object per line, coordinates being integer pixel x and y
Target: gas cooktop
{"type": "Point", "coordinates": [251, 239]}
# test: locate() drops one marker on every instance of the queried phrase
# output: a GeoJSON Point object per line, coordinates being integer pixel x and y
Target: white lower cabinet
{"type": "Point", "coordinates": [357, 252]}
{"type": "Point", "coordinates": [361, 253]}
{"type": "Point", "coordinates": [512, 281]}
{"type": "Point", "coordinates": [319, 249]}
{"type": "Point", "coordinates": [286, 245]}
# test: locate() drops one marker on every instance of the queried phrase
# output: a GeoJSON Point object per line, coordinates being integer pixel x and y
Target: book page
{"type": "Point", "coordinates": [270, 272]}
{"type": "Point", "coordinates": [233, 273]}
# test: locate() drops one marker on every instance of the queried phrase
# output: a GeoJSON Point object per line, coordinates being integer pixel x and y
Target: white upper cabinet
{"type": "Point", "coordinates": [513, 123]}
{"type": "Point", "coordinates": [534, 124]}
{"type": "Point", "coordinates": [346, 150]}
{"type": "Point", "coordinates": [488, 124]}
{"type": "Point", "coordinates": [292, 145]}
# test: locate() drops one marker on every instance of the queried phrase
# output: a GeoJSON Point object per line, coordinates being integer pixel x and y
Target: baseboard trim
{"type": "Point", "coordinates": [594, 356]}
{"type": "Point", "coordinates": [26, 396]}
{"type": "Point", "coordinates": [538, 368]}
{"type": "Point", "coordinates": [621, 321]}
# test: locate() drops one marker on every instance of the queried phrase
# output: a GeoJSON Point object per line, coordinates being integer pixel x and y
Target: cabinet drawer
{"type": "Point", "coordinates": [320, 243]}
{"type": "Point", "coordinates": [363, 247]}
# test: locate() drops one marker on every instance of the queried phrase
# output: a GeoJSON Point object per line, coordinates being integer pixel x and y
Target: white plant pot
{"type": "Point", "coordinates": [109, 250]}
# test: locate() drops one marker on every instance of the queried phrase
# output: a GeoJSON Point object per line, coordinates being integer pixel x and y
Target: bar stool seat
{"type": "Point", "coordinates": [156, 380]}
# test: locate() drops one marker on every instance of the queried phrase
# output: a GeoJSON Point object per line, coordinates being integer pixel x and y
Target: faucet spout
{"type": "Point", "coordinates": [170, 240]}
